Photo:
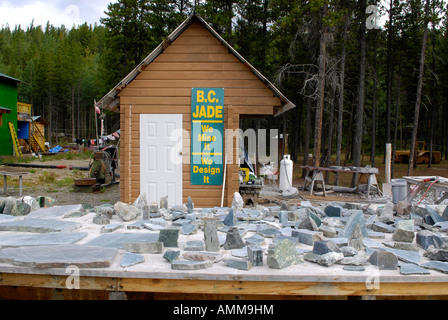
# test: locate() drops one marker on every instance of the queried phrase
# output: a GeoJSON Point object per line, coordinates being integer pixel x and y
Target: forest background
{"type": "Point", "coordinates": [357, 84]}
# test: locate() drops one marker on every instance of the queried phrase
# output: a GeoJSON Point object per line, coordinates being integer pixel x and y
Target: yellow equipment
{"type": "Point", "coordinates": [15, 140]}
{"type": "Point", "coordinates": [422, 155]}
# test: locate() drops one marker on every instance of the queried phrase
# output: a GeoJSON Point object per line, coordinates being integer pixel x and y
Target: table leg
{"type": "Point", "coordinates": [20, 186]}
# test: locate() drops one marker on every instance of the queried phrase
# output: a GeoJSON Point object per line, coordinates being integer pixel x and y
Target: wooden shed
{"type": "Point", "coordinates": [179, 111]}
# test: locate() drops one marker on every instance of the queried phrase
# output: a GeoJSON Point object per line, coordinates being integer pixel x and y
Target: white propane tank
{"type": "Point", "coordinates": [285, 180]}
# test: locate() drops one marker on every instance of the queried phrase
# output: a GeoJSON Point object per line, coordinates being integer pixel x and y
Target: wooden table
{"type": "Point", "coordinates": [155, 280]}
{"type": "Point", "coordinates": [12, 174]}
{"type": "Point", "coordinates": [314, 174]}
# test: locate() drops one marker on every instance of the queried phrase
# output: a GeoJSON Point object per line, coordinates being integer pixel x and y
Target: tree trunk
{"type": "Point", "coordinates": [341, 100]}
{"type": "Point", "coordinates": [357, 138]}
{"type": "Point", "coordinates": [330, 137]}
{"type": "Point", "coordinates": [372, 150]}
{"type": "Point", "coordinates": [307, 134]}
{"type": "Point", "coordinates": [419, 93]}
{"type": "Point", "coordinates": [321, 91]}
{"type": "Point", "coordinates": [73, 113]}
{"type": "Point", "coordinates": [397, 116]}
{"type": "Point", "coordinates": [389, 74]}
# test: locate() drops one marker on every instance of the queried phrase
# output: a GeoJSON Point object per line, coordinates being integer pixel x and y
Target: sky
{"type": "Point", "coordinates": [57, 12]}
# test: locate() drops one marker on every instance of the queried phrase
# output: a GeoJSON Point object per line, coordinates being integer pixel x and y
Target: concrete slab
{"type": "Point", "coordinates": [54, 238]}
{"type": "Point", "coordinates": [39, 225]}
{"type": "Point", "coordinates": [117, 240]}
{"type": "Point", "coordinates": [60, 256]}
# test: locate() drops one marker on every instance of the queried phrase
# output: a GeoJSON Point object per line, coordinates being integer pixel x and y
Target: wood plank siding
{"type": "Point", "coordinates": [196, 58]}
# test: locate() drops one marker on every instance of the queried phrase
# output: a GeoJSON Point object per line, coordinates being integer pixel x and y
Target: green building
{"type": "Point", "coordinates": [8, 112]}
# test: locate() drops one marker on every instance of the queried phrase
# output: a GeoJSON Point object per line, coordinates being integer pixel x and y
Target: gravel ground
{"type": "Point", "coordinates": [57, 184]}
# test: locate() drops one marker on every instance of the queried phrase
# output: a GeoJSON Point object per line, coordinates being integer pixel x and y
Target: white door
{"type": "Point", "coordinates": [161, 157]}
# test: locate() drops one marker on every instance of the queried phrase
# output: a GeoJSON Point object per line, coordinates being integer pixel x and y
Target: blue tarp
{"type": "Point", "coordinates": [57, 149]}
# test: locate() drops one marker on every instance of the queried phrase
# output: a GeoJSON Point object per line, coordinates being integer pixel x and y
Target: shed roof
{"type": "Point", "coordinates": [5, 78]}
{"type": "Point", "coordinates": [111, 100]}
{"type": "Point", "coordinates": [5, 110]}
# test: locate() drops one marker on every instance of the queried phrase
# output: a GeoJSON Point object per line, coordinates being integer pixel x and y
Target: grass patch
{"type": "Point", "coordinates": [47, 177]}
{"type": "Point", "coordinates": [65, 182]}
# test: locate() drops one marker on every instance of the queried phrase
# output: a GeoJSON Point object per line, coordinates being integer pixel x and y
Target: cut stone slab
{"type": "Point", "coordinates": [129, 259]}
{"type": "Point", "coordinates": [436, 254]}
{"type": "Point", "coordinates": [324, 246]}
{"type": "Point", "coordinates": [255, 255]}
{"type": "Point", "coordinates": [436, 265]}
{"type": "Point", "coordinates": [233, 240]}
{"type": "Point", "coordinates": [144, 247]}
{"type": "Point", "coordinates": [59, 256]}
{"type": "Point", "coordinates": [268, 233]}
{"type": "Point", "coordinates": [202, 256]}
{"type": "Point", "coordinates": [159, 221]}
{"type": "Point", "coordinates": [330, 258]}
{"type": "Point", "coordinates": [356, 260]}
{"type": "Point", "coordinates": [101, 219]}
{"type": "Point", "coordinates": [190, 265]}
{"type": "Point", "coordinates": [211, 234]}
{"type": "Point", "coordinates": [283, 254]}
{"type": "Point", "coordinates": [117, 240]}
{"type": "Point", "coordinates": [189, 228]}
{"type": "Point", "coordinates": [354, 268]}
{"type": "Point", "coordinates": [41, 239]}
{"type": "Point", "coordinates": [171, 255]}
{"type": "Point", "coordinates": [405, 255]}
{"type": "Point", "coordinates": [239, 253]}
{"type": "Point", "coordinates": [333, 211]}
{"type": "Point", "coordinates": [387, 213]}
{"type": "Point", "coordinates": [152, 226]}
{"type": "Point", "coordinates": [382, 227]}
{"type": "Point", "coordinates": [426, 238]}
{"type": "Point", "coordinates": [307, 236]}
{"type": "Point", "coordinates": [384, 260]}
{"type": "Point", "coordinates": [111, 227]}
{"type": "Point", "coordinates": [434, 215]}
{"type": "Point", "coordinates": [169, 237]}
{"type": "Point", "coordinates": [39, 225]}
{"type": "Point", "coordinates": [238, 264]}
{"type": "Point", "coordinates": [307, 223]}
{"type": "Point", "coordinates": [230, 219]}
{"type": "Point", "coordinates": [404, 231]}
{"type": "Point", "coordinates": [194, 245]}
{"type": "Point", "coordinates": [256, 239]}
{"type": "Point", "coordinates": [311, 257]}
{"type": "Point", "coordinates": [410, 268]}
{"type": "Point", "coordinates": [55, 212]}
{"type": "Point", "coordinates": [355, 219]}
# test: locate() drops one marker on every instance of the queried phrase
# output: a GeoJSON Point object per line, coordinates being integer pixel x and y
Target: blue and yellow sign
{"type": "Point", "coordinates": [207, 136]}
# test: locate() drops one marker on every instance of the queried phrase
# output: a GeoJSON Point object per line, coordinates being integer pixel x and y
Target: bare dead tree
{"type": "Point", "coordinates": [419, 91]}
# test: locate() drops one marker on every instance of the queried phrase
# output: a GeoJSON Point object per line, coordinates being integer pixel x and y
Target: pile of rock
{"type": "Point", "coordinates": [348, 234]}
{"type": "Point", "coordinates": [23, 205]}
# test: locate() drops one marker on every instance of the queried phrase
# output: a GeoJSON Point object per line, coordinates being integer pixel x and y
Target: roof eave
{"type": "Point", "coordinates": [111, 100]}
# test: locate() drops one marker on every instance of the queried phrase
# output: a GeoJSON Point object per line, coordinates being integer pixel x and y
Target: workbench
{"type": "Point", "coordinates": [440, 186]}
{"type": "Point", "coordinates": [315, 175]}
{"type": "Point", "coordinates": [12, 174]}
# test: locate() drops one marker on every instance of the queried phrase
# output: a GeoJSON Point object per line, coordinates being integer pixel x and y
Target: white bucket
{"type": "Point", "coordinates": [399, 190]}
